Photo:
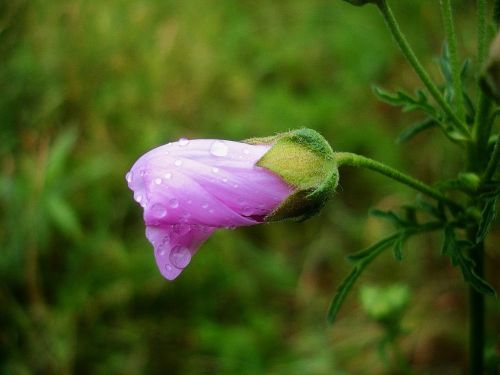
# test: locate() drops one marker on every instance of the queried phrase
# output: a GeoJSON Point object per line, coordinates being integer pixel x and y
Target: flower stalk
{"type": "Point", "coordinates": [354, 160]}
{"type": "Point", "coordinates": [451, 41]}
{"type": "Point", "coordinates": [418, 67]}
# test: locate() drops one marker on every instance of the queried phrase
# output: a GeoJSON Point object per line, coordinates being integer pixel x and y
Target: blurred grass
{"type": "Point", "coordinates": [87, 87]}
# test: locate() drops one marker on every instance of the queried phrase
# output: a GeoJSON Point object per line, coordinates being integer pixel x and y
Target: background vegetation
{"type": "Point", "coordinates": [88, 86]}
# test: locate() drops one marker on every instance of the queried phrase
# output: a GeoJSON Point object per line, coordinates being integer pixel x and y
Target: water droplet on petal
{"type": "Point", "coordinates": [129, 176]}
{"type": "Point", "coordinates": [138, 197]}
{"type": "Point", "coordinates": [158, 181]}
{"type": "Point", "coordinates": [219, 149]}
{"type": "Point", "coordinates": [247, 211]}
{"type": "Point", "coordinates": [163, 246]}
{"type": "Point", "coordinates": [181, 230]}
{"type": "Point", "coordinates": [183, 141]}
{"type": "Point", "coordinates": [211, 211]}
{"type": "Point", "coordinates": [168, 268]}
{"type": "Point", "coordinates": [142, 172]}
{"type": "Point", "coordinates": [235, 186]}
{"type": "Point", "coordinates": [178, 163]}
{"type": "Point", "coordinates": [168, 175]}
{"type": "Point", "coordinates": [215, 169]}
{"type": "Point", "coordinates": [204, 205]}
{"type": "Point", "coordinates": [180, 256]}
{"type": "Point", "coordinates": [174, 203]}
{"type": "Point", "coordinates": [158, 210]}
{"type": "Point", "coordinates": [189, 201]}
{"type": "Point", "coordinates": [224, 179]}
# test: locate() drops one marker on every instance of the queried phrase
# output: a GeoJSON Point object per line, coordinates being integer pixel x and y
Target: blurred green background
{"type": "Point", "coordinates": [86, 87]}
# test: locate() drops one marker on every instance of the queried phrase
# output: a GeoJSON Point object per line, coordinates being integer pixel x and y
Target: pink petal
{"type": "Point", "coordinates": [174, 246]}
{"type": "Point", "coordinates": [197, 186]}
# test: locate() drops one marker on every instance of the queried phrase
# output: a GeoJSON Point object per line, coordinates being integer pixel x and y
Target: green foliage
{"type": "Point", "coordinates": [87, 87]}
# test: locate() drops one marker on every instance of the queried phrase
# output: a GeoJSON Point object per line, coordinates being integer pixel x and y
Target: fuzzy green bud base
{"type": "Point", "coordinates": [305, 160]}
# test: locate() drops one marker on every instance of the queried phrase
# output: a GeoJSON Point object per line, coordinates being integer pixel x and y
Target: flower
{"type": "Point", "coordinates": [190, 188]}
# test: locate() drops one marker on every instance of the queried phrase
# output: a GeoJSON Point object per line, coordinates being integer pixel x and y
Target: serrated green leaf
{"type": "Point", "coordinates": [448, 241]}
{"type": "Point", "coordinates": [487, 218]}
{"type": "Point", "coordinates": [456, 250]}
{"type": "Point", "coordinates": [436, 211]}
{"type": "Point", "coordinates": [467, 266]}
{"type": "Point", "coordinates": [416, 128]}
{"type": "Point", "coordinates": [398, 248]}
{"type": "Point", "coordinates": [490, 191]}
{"type": "Point", "coordinates": [341, 293]}
{"type": "Point", "coordinates": [410, 214]}
{"type": "Point", "coordinates": [406, 101]}
{"type": "Point", "coordinates": [390, 216]}
{"type": "Point", "coordinates": [444, 64]}
{"type": "Point", "coordinates": [373, 249]}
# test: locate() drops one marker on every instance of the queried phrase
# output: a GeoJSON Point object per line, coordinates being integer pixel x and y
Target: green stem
{"type": "Point", "coordinates": [417, 66]}
{"type": "Point", "coordinates": [451, 40]}
{"type": "Point", "coordinates": [481, 32]}
{"type": "Point", "coordinates": [476, 313]}
{"type": "Point", "coordinates": [348, 158]}
{"type": "Point", "coordinates": [482, 130]}
{"type": "Point", "coordinates": [478, 153]}
{"type": "Point", "coordinates": [482, 124]}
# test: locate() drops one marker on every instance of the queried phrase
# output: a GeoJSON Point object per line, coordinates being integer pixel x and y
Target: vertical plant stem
{"type": "Point", "coordinates": [477, 160]}
{"type": "Point", "coordinates": [451, 40]}
{"type": "Point", "coordinates": [417, 66]}
{"type": "Point", "coordinates": [496, 13]}
{"type": "Point", "coordinates": [476, 314]}
{"type": "Point", "coordinates": [482, 126]}
{"type": "Point", "coordinates": [481, 31]}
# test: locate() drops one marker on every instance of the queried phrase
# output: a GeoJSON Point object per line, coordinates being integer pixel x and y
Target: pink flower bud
{"type": "Point", "coordinates": [190, 188]}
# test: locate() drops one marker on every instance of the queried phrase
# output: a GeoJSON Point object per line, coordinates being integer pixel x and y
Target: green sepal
{"type": "Point", "coordinates": [304, 160]}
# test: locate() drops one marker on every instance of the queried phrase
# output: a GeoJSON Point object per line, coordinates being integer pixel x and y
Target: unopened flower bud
{"type": "Point", "coordinates": [190, 188]}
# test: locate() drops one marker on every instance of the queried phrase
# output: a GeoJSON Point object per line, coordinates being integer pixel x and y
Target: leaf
{"type": "Point", "coordinates": [341, 293]}
{"type": "Point", "coordinates": [373, 250]}
{"type": "Point", "coordinates": [490, 190]}
{"type": "Point", "coordinates": [398, 248]}
{"type": "Point", "coordinates": [416, 128]}
{"type": "Point", "coordinates": [445, 66]}
{"type": "Point", "coordinates": [390, 216]}
{"type": "Point", "coordinates": [456, 250]}
{"type": "Point", "coordinates": [487, 218]}
{"type": "Point", "coordinates": [406, 101]}
{"type": "Point", "coordinates": [436, 211]}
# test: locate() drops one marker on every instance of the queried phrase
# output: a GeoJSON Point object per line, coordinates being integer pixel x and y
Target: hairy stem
{"type": "Point", "coordinates": [348, 158]}
{"type": "Point", "coordinates": [477, 156]}
{"type": "Point", "coordinates": [451, 41]}
{"type": "Point", "coordinates": [482, 126]}
{"type": "Point", "coordinates": [417, 66]}
{"type": "Point", "coordinates": [481, 32]}
{"type": "Point", "coordinates": [476, 314]}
